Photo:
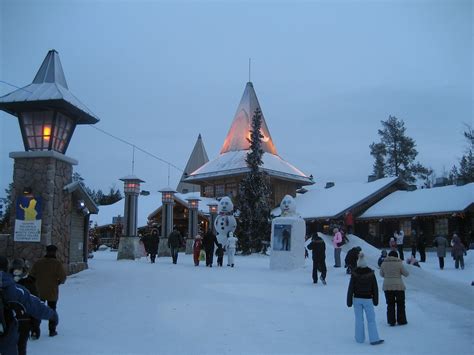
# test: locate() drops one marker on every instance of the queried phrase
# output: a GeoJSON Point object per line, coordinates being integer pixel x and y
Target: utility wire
{"type": "Point", "coordinates": [117, 138]}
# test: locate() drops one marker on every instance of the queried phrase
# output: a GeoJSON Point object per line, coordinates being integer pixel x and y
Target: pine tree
{"type": "Point", "coordinates": [378, 151]}
{"type": "Point", "coordinates": [466, 164]}
{"type": "Point", "coordinates": [5, 223]}
{"type": "Point", "coordinates": [254, 194]}
{"type": "Point", "coordinates": [397, 152]}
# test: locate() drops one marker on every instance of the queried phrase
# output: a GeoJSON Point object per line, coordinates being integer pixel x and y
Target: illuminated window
{"type": "Point", "coordinates": [209, 191]}
{"type": "Point", "coordinates": [405, 226]}
{"type": "Point", "coordinates": [441, 226]}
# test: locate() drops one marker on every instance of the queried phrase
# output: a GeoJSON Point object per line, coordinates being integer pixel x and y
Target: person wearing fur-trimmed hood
{"type": "Point", "coordinates": [363, 293]}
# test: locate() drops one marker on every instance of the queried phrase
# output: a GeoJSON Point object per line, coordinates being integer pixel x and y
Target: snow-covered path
{"type": "Point", "coordinates": [134, 307]}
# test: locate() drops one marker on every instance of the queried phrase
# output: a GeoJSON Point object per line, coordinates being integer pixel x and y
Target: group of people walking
{"type": "Point", "coordinates": [27, 296]}
{"type": "Point", "coordinates": [206, 245]}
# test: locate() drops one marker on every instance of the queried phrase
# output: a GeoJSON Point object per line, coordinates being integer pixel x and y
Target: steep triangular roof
{"type": "Point", "coordinates": [239, 132]}
{"type": "Point", "coordinates": [48, 90]}
{"type": "Point", "coordinates": [197, 159]}
{"type": "Point", "coordinates": [51, 71]}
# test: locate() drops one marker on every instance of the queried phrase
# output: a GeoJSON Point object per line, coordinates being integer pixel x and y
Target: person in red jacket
{"type": "Point", "coordinates": [349, 222]}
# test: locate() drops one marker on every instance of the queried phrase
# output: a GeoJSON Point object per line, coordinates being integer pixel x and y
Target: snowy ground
{"type": "Point", "coordinates": [134, 307]}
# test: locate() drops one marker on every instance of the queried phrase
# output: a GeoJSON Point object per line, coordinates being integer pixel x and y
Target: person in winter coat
{"type": "Point", "coordinates": [175, 241]}
{"type": "Point", "coordinates": [26, 323]}
{"type": "Point", "coordinates": [441, 243]}
{"type": "Point", "coordinates": [349, 222]}
{"type": "Point", "coordinates": [351, 259]}
{"type": "Point", "coordinates": [49, 273]}
{"type": "Point", "coordinates": [382, 257]}
{"type": "Point", "coordinates": [336, 242]}
{"type": "Point", "coordinates": [231, 247]}
{"type": "Point", "coordinates": [363, 293]}
{"type": "Point", "coordinates": [197, 246]}
{"type": "Point", "coordinates": [421, 246]}
{"type": "Point", "coordinates": [220, 254]}
{"type": "Point", "coordinates": [459, 250]}
{"type": "Point", "coordinates": [392, 270]}
{"type": "Point", "coordinates": [17, 300]}
{"type": "Point", "coordinates": [399, 236]}
{"type": "Point", "coordinates": [392, 244]}
{"type": "Point", "coordinates": [152, 241]}
{"type": "Point", "coordinates": [414, 243]}
{"type": "Point", "coordinates": [208, 243]}
{"type": "Point", "coordinates": [318, 250]}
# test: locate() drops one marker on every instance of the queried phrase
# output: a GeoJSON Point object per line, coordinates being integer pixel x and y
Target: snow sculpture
{"type": "Point", "coordinates": [287, 239]}
{"type": "Point", "coordinates": [225, 221]}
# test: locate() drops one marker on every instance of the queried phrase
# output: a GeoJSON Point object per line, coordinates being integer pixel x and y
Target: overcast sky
{"type": "Point", "coordinates": [326, 73]}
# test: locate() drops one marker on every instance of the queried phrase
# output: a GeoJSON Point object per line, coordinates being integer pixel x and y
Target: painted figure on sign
{"type": "Point", "coordinates": [30, 211]}
{"type": "Point", "coordinates": [225, 221]}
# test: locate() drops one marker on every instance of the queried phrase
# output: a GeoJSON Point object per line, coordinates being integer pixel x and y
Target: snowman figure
{"type": "Point", "coordinates": [225, 221]}
{"type": "Point", "coordinates": [288, 206]}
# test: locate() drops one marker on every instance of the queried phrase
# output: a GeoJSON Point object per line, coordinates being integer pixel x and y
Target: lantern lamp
{"type": "Point", "coordinates": [47, 111]}
{"type": "Point", "coordinates": [167, 195]}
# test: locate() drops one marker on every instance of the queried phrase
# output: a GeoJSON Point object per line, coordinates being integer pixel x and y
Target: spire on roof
{"type": "Point", "coordinates": [197, 159]}
{"type": "Point", "coordinates": [51, 70]}
{"type": "Point", "coordinates": [239, 132]}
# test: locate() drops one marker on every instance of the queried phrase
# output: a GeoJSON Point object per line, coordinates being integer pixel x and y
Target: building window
{"type": "Point", "coordinates": [441, 227]}
{"type": "Point", "coordinates": [405, 226]}
{"type": "Point", "coordinates": [209, 191]}
{"type": "Point", "coordinates": [372, 229]}
{"type": "Point", "coordinates": [220, 190]}
{"type": "Point", "coordinates": [231, 190]}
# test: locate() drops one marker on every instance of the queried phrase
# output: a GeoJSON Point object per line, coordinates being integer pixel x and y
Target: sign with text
{"type": "Point", "coordinates": [28, 219]}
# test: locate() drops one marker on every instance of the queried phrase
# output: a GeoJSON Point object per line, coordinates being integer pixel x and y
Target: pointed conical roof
{"type": "Point", "coordinates": [48, 90]}
{"type": "Point", "coordinates": [51, 71]}
{"type": "Point", "coordinates": [239, 132]}
{"type": "Point", "coordinates": [197, 159]}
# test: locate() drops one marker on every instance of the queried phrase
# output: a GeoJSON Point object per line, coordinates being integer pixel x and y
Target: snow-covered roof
{"type": "Point", "coordinates": [233, 163]}
{"type": "Point", "coordinates": [239, 132]}
{"type": "Point", "coordinates": [49, 85]}
{"type": "Point", "coordinates": [319, 202]}
{"type": "Point", "coordinates": [438, 200]}
{"type": "Point", "coordinates": [147, 205]}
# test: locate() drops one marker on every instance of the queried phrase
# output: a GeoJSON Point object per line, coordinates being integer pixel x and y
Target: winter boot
{"type": "Point", "coordinates": [377, 342]}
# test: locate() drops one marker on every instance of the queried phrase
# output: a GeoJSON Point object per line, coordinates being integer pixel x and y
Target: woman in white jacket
{"type": "Point", "coordinates": [230, 247]}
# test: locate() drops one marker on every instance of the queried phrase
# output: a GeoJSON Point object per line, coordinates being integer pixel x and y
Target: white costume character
{"type": "Point", "coordinates": [225, 221]}
{"type": "Point", "coordinates": [231, 246]}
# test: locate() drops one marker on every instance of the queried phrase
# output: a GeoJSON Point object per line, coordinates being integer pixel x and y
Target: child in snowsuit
{"type": "Point", "coordinates": [220, 254]}
{"type": "Point", "coordinates": [383, 255]}
{"type": "Point", "coordinates": [197, 246]}
{"type": "Point", "coordinates": [351, 259]}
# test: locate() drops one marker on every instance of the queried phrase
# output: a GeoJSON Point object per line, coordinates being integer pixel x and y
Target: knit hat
{"type": "Point", "coordinates": [51, 248]}
{"type": "Point", "coordinates": [361, 262]}
{"type": "Point", "coordinates": [18, 264]}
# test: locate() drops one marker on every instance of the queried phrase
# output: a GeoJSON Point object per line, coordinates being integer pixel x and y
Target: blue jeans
{"type": "Point", "coordinates": [364, 305]}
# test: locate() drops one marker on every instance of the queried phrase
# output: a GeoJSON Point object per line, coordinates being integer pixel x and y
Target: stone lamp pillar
{"type": "Point", "coordinates": [213, 213]}
{"type": "Point", "coordinates": [43, 207]}
{"type": "Point", "coordinates": [193, 223]}
{"type": "Point", "coordinates": [128, 245]}
{"type": "Point", "coordinates": [167, 198]}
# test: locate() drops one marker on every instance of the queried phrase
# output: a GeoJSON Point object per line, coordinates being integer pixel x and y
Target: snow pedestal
{"type": "Point", "coordinates": [287, 239]}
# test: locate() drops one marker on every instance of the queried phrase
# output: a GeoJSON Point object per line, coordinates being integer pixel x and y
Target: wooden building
{"type": "Point", "coordinates": [436, 211]}
{"type": "Point", "coordinates": [222, 175]}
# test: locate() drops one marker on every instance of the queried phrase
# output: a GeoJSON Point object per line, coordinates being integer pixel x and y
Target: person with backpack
{"type": "Point", "coordinates": [318, 250]}
{"type": "Point", "coordinates": [26, 323]}
{"type": "Point", "coordinates": [15, 299]}
{"type": "Point", "coordinates": [49, 274]}
{"type": "Point", "coordinates": [363, 293]}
